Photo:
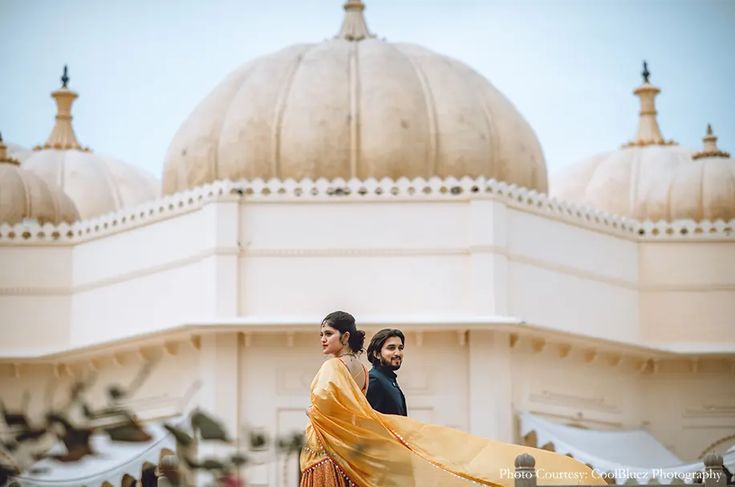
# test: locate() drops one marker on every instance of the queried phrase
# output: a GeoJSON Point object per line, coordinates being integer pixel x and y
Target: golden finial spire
{"type": "Point", "coordinates": [710, 146]}
{"type": "Point", "coordinates": [648, 131]}
{"type": "Point", "coordinates": [4, 157]}
{"type": "Point", "coordinates": [62, 136]}
{"type": "Point", "coordinates": [354, 27]}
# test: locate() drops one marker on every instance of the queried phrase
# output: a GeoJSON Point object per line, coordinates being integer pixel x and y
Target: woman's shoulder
{"type": "Point", "coordinates": [334, 363]}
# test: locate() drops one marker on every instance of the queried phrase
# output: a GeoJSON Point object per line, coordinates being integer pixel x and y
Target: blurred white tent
{"type": "Point", "coordinates": [626, 455]}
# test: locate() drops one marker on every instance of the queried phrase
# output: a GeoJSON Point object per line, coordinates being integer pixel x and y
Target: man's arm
{"type": "Point", "coordinates": [375, 394]}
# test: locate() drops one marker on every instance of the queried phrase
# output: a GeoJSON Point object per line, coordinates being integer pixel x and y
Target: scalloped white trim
{"type": "Point", "coordinates": [373, 190]}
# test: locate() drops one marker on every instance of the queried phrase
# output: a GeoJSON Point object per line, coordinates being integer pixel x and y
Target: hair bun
{"type": "Point", "coordinates": [357, 341]}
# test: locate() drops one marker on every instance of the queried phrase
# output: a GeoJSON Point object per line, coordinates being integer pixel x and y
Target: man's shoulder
{"type": "Point", "coordinates": [376, 375]}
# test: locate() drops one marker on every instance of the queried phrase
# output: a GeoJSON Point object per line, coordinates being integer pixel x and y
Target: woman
{"type": "Point", "coordinates": [350, 444]}
{"type": "Point", "coordinates": [341, 339]}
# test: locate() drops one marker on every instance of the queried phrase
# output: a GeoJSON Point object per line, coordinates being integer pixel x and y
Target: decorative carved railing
{"type": "Point", "coordinates": [418, 189]}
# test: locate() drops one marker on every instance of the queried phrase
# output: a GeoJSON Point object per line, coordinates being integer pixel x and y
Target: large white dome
{"type": "Point", "coordinates": [97, 184]}
{"type": "Point", "coordinates": [650, 178]}
{"type": "Point", "coordinates": [354, 106]}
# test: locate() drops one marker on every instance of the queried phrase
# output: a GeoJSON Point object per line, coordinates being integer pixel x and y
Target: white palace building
{"type": "Point", "coordinates": [593, 313]}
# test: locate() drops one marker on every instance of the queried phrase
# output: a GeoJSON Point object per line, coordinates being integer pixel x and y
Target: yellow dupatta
{"type": "Point", "coordinates": [382, 450]}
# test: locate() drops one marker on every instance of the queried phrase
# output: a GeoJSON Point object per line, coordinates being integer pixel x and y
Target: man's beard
{"type": "Point", "coordinates": [388, 365]}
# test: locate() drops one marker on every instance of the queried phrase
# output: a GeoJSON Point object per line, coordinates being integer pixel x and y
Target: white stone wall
{"type": "Point", "coordinates": [34, 298]}
{"type": "Point", "coordinates": [141, 280]}
{"type": "Point", "coordinates": [688, 294]}
{"type": "Point", "coordinates": [398, 258]}
{"type": "Point", "coordinates": [388, 259]}
{"type": "Point", "coordinates": [571, 279]}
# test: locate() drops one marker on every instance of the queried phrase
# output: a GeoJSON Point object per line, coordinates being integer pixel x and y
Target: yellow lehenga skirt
{"type": "Point", "coordinates": [317, 469]}
{"type": "Point", "coordinates": [347, 443]}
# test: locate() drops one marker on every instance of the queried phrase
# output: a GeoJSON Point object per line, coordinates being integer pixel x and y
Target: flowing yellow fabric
{"type": "Point", "coordinates": [382, 450]}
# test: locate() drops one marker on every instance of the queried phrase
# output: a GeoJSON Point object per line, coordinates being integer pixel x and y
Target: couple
{"type": "Point", "coordinates": [348, 443]}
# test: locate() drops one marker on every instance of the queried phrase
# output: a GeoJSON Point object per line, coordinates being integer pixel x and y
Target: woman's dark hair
{"type": "Point", "coordinates": [378, 340]}
{"type": "Point", "coordinates": [345, 322]}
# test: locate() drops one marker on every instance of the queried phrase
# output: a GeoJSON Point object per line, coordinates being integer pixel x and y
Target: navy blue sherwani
{"type": "Point", "coordinates": [383, 393]}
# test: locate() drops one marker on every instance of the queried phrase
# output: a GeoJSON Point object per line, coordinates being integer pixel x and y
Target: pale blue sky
{"type": "Point", "coordinates": [569, 66]}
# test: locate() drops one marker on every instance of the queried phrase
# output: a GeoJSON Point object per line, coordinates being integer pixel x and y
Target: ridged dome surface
{"type": "Point", "coordinates": [346, 108]}
{"type": "Point", "coordinates": [96, 184]}
{"type": "Point", "coordinates": [652, 183]}
{"type": "Point", "coordinates": [704, 190]}
{"type": "Point", "coordinates": [628, 182]}
{"type": "Point", "coordinates": [25, 195]}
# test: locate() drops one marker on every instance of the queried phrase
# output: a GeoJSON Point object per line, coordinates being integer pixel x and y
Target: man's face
{"type": "Point", "coordinates": [391, 355]}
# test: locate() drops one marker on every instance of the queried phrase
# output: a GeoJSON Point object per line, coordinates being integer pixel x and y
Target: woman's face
{"type": "Point", "coordinates": [330, 338]}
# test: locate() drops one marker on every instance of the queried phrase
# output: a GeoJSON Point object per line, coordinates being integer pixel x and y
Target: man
{"type": "Point", "coordinates": [385, 352]}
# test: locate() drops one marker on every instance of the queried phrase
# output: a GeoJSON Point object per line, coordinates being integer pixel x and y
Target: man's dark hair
{"type": "Point", "coordinates": [378, 340]}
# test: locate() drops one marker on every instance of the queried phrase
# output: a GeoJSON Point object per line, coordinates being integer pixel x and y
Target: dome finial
{"type": "Point", "coordinates": [710, 148]}
{"type": "Point", "coordinates": [646, 74]}
{"type": "Point", "coordinates": [648, 131]}
{"type": "Point", "coordinates": [62, 136]}
{"type": "Point", "coordinates": [4, 157]}
{"type": "Point", "coordinates": [354, 27]}
{"type": "Point", "coordinates": [65, 77]}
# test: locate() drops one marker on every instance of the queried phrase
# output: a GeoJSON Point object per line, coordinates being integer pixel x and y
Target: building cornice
{"type": "Point", "coordinates": [517, 329]}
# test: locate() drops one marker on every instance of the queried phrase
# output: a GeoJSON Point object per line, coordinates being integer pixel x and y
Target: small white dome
{"type": "Point", "coordinates": [354, 106]}
{"type": "Point", "coordinates": [24, 195]}
{"type": "Point", "coordinates": [633, 182]}
{"type": "Point", "coordinates": [97, 184]}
